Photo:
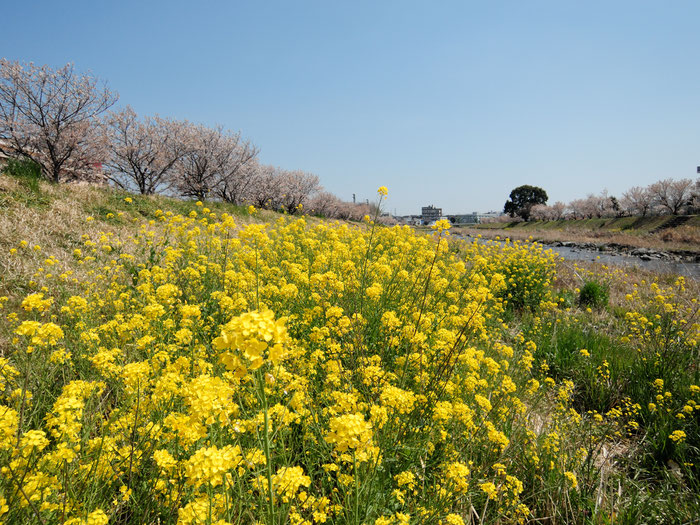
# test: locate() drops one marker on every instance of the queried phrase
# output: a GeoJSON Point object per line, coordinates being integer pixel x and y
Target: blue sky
{"type": "Point", "coordinates": [445, 103]}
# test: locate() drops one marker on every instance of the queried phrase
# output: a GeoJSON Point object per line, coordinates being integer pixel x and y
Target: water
{"type": "Point", "coordinates": [686, 269]}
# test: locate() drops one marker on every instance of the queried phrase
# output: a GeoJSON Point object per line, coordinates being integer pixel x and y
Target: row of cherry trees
{"type": "Point", "coordinates": [666, 196]}
{"type": "Point", "coordinates": [64, 121]}
{"type": "Point", "coordinates": [154, 155]}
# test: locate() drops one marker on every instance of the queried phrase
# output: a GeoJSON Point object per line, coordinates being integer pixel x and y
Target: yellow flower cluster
{"type": "Point", "coordinates": [349, 431]}
{"type": "Point", "coordinates": [257, 337]}
{"type": "Point", "coordinates": [206, 372]}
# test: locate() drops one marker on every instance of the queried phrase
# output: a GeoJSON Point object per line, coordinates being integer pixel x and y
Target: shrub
{"type": "Point", "coordinates": [594, 294]}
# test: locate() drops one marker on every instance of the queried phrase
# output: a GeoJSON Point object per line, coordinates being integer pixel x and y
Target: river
{"type": "Point", "coordinates": [686, 269]}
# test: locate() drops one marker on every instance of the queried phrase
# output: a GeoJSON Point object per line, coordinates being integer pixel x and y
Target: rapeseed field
{"type": "Point", "coordinates": [208, 368]}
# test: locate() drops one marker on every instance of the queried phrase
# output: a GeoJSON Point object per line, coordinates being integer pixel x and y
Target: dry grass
{"type": "Point", "coordinates": [56, 229]}
{"type": "Point", "coordinates": [620, 279]}
{"type": "Point", "coordinates": [682, 234]}
{"type": "Point", "coordinates": [55, 219]}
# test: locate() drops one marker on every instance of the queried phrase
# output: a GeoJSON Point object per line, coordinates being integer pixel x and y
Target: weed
{"type": "Point", "coordinates": [594, 294]}
{"type": "Point", "coordinates": [24, 169]}
{"type": "Point", "coordinates": [28, 174]}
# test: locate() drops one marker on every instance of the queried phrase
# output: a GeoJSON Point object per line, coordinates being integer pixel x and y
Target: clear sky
{"type": "Point", "coordinates": [445, 103]}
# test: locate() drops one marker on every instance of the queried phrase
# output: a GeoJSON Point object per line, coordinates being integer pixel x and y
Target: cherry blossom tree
{"type": "Point", "coordinates": [558, 210]}
{"type": "Point", "coordinates": [296, 188]}
{"type": "Point", "coordinates": [672, 195]}
{"type": "Point", "coordinates": [198, 170]}
{"type": "Point", "coordinates": [264, 190]}
{"type": "Point", "coordinates": [353, 212]}
{"type": "Point", "coordinates": [143, 153]}
{"type": "Point", "coordinates": [216, 162]}
{"type": "Point", "coordinates": [238, 166]}
{"type": "Point", "coordinates": [387, 220]}
{"type": "Point", "coordinates": [279, 189]}
{"type": "Point", "coordinates": [579, 208]}
{"type": "Point", "coordinates": [637, 201]}
{"type": "Point", "coordinates": [325, 204]}
{"type": "Point", "coordinates": [540, 212]}
{"type": "Point", "coordinates": [50, 116]}
{"type": "Point", "coordinates": [600, 205]}
{"type": "Point", "coordinates": [543, 212]}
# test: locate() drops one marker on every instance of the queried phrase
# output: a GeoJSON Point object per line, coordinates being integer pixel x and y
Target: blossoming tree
{"type": "Point", "coordinates": [214, 163]}
{"type": "Point", "coordinates": [49, 116]}
{"type": "Point", "coordinates": [143, 152]}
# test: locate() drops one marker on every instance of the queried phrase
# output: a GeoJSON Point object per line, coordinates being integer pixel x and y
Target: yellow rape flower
{"type": "Point", "coordinates": [489, 489]}
{"type": "Point", "coordinates": [677, 436]}
{"type": "Point", "coordinates": [36, 302]}
{"type": "Point", "coordinates": [349, 431]}
{"type": "Point", "coordinates": [209, 464]}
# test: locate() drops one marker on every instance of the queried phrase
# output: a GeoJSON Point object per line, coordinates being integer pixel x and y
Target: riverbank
{"type": "Point", "coordinates": [663, 238]}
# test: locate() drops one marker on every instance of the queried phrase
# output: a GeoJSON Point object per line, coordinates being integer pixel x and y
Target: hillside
{"type": "Point", "coordinates": [56, 217]}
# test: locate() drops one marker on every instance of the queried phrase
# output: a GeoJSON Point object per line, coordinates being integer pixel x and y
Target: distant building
{"type": "Point", "coordinates": [412, 220]}
{"type": "Point", "coordinates": [430, 214]}
{"type": "Point", "coordinates": [490, 216]}
{"type": "Point", "coordinates": [467, 218]}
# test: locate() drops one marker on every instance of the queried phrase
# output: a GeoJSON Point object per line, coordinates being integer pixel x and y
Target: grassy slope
{"type": "Point", "coordinates": [53, 218]}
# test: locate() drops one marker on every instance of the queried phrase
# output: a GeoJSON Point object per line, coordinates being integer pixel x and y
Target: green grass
{"type": "Point", "coordinates": [146, 206]}
{"type": "Point", "coordinates": [559, 345]}
{"type": "Point", "coordinates": [614, 367]}
{"type": "Point", "coordinates": [28, 191]}
{"type": "Point", "coordinates": [650, 478]}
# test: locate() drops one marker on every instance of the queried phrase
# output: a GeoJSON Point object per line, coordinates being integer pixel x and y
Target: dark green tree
{"type": "Point", "coordinates": [615, 205]}
{"type": "Point", "coordinates": [522, 199]}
